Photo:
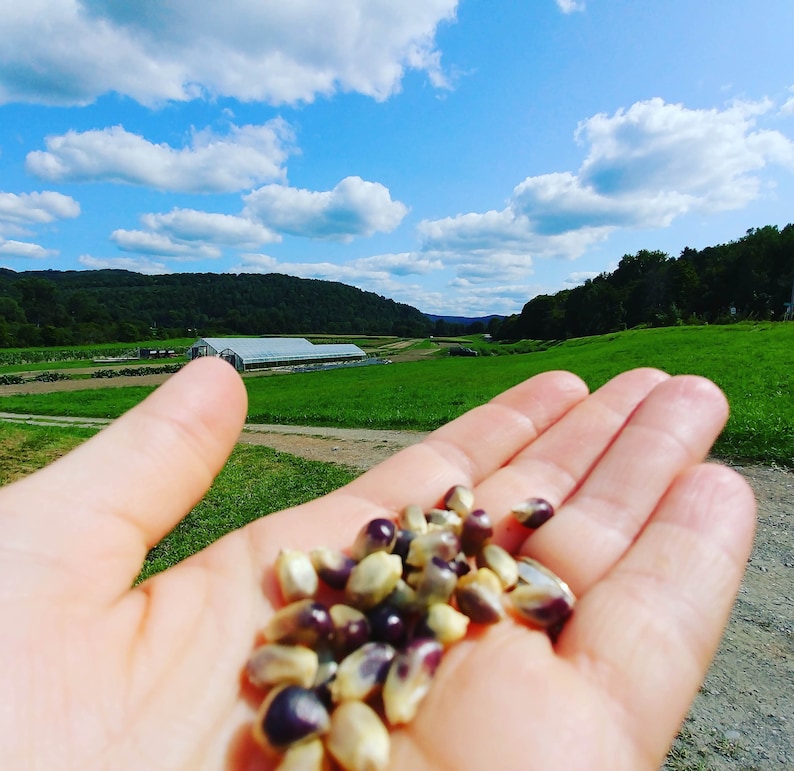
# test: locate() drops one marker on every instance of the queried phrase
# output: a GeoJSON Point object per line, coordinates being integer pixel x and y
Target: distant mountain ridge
{"type": "Point", "coordinates": [465, 321]}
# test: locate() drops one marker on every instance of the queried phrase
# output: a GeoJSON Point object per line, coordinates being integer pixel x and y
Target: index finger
{"type": "Point", "coordinates": [84, 523]}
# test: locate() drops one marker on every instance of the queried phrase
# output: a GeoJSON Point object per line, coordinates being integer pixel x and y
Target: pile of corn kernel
{"type": "Point", "coordinates": [341, 674]}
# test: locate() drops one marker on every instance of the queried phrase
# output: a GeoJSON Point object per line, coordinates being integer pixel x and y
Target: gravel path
{"type": "Point", "coordinates": [743, 717]}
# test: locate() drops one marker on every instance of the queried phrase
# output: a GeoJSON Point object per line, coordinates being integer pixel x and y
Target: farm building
{"type": "Point", "coordinates": [251, 353]}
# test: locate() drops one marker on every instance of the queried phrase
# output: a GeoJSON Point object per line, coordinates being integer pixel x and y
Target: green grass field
{"type": "Point", "coordinates": [750, 362]}
{"type": "Point", "coordinates": [254, 482]}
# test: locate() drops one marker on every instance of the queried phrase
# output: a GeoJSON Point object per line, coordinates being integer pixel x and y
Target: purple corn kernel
{"type": "Point", "coordinates": [477, 529]}
{"type": "Point", "coordinates": [402, 543]}
{"type": "Point", "coordinates": [409, 679]}
{"type": "Point", "coordinates": [351, 629]}
{"type": "Point", "coordinates": [333, 566]}
{"type": "Point", "coordinates": [413, 518]}
{"type": "Point", "coordinates": [305, 622]}
{"type": "Point", "coordinates": [443, 623]}
{"type": "Point", "coordinates": [542, 606]}
{"type": "Point", "coordinates": [358, 740]}
{"type": "Point", "coordinates": [362, 674]}
{"type": "Point", "coordinates": [533, 512]}
{"type": "Point", "coordinates": [438, 543]}
{"type": "Point", "coordinates": [445, 518]}
{"type": "Point", "coordinates": [435, 582]}
{"type": "Point", "coordinates": [543, 598]}
{"type": "Point", "coordinates": [376, 535]}
{"type": "Point", "coordinates": [530, 571]}
{"type": "Point", "coordinates": [501, 562]}
{"type": "Point", "coordinates": [479, 596]}
{"type": "Point", "coordinates": [459, 499]}
{"type": "Point", "coordinates": [388, 625]}
{"type": "Point", "coordinates": [289, 715]}
{"type": "Point", "coordinates": [274, 664]}
{"type": "Point", "coordinates": [373, 579]}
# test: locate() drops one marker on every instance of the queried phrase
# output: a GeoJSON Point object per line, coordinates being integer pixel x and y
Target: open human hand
{"type": "Point", "coordinates": [97, 675]}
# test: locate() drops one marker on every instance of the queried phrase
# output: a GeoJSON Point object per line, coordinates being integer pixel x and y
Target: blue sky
{"type": "Point", "coordinates": [459, 156]}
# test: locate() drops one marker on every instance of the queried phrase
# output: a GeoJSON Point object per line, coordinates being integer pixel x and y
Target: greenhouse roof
{"type": "Point", "coordinates": [279, 349]}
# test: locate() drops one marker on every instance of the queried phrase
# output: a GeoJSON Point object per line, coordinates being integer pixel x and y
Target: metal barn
{"type": "Point", "coordinates": [252, 353]}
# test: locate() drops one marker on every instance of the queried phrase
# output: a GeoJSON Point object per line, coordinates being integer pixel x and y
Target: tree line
{"type": "Point", "coordinates": [750, 278]}
{"type": "Point", "coordinates": [54, 308]}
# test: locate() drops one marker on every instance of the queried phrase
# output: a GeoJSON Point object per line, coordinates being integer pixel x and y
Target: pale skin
{"type": "Point", "coordinates": [653, 541]}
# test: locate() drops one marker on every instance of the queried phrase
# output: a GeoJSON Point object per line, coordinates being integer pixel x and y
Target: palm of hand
{"type": "Point", "coordinates": [652, 541]}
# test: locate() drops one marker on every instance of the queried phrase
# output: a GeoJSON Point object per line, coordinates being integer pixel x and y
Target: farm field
{"type": "Point", "coordinates": [750, 362]}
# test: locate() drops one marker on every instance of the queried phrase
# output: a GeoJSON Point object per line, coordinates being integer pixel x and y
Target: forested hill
{"type": "Point", "coordinates": [750, 278]}
{"type": "Point", "coordinates": [94, 306]}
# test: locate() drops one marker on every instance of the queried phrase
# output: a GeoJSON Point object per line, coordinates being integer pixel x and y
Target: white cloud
{"type": "Point", "coordinates": [383, 274]}
{"type": "Point", "coordinates": [579, 277]}
{"type": "Point", "coordinates": [654, 147]}
{"type": "Point", "coordinates": [499, 236]}
{"type": "Point", "coordinates": [190, 225]}
{"type": "Point", "coordinates": [569, 6]}
{"type": "Point", "coordinates": [192, 234]}
{"type": "Point", "coordinates": [144, 242]}
{"type": "Point", "coordinates": [137, 265]}
{"type": "Point", "coordinates": [645, 166]}
{"type": "Point", "coordinates": [402, 264]}
{"type": "Point", "coordinates": [24, 249]}
{"type": "Point", "coordinates": [787, 108]}
{"type": "Point", "coordinates": [472, 299]}
{"type": "Point", "coordinates": [353, 208]}
{"type": "Point", "coordinates": [242, 158]}
{"type": "Point", "coordinates": [69, 52]}
{"type": "Point", "coordinates": [20, 211]}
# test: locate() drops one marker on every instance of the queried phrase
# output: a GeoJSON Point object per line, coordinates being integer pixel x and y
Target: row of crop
{"type": "Point", "coordinates": [42, 377]}
{"type": "Point", "coordinates": [51, 377]}
{"type": "Point", "coordinates": [36, 355]}
{"type": "Point", "coordinates": [165, 369]}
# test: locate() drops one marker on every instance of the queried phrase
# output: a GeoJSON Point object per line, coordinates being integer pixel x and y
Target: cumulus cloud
{"type": "Point", "coordinates": [161, 245]}
{"type": "Point", "coordinates": [135, 264]}
{"type": "Point", "coordinates": [353, 208]}
{"type": "Point", "coordinates": [20, 211]}
{"type": "Point", "coordinates": [192, 233]}
{"type": "Point", "coordinates": [190, 225]}
{"type": "Point", "coordinates": [274, 52]}
{"type": "Point", "coordinates": [24, 249]}
{"type": "Point", "coordinates": [211, 163]}
{"type": "Point", "coordinates": [645, 166]}
{"type": "Point", "coordinates": [712, 156]}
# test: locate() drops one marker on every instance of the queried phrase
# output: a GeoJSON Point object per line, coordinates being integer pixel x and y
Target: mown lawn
{"type": "Point", "coordinates": [255, 481]}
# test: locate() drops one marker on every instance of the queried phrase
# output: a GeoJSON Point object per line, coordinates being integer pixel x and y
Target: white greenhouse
{"type": "Point", "coordinates": [252, 353]}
